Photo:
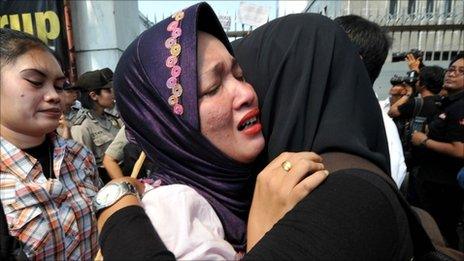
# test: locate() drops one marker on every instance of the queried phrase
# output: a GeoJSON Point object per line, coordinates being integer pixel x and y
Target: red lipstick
{"type": "Point", "coordinates": [250, 124]}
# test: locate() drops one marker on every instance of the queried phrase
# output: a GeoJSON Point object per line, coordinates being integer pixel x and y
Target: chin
{"type": "Point", "coordinates": [47, 128]}
{"type": "Point", "coordinates": [252, 153]}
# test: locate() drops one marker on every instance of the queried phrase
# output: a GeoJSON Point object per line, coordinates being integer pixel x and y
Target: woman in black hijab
{"type": "Point", "coordinates": [312, 89]}
{"type": "Point", "coordinates": [316, 95]}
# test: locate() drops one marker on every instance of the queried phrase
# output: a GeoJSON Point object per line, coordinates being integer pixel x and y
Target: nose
{"type": "Point", "coordinates": [245, 95]}
{"type": "Point", "coordinates": [51, 95]}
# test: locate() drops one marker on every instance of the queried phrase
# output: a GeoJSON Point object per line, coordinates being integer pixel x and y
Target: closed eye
{"type": "Point", "coordinates": [58, 88]}
{"type": "Point", "coordinates": [36, 84]}
{"type": "Point", "coordinates": [212, 91]}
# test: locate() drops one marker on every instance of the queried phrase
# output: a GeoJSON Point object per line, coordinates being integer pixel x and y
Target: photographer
{"type": "Point", "coordinates": [413, 114]}
{"type": "Point", "coordinates": [437, 188]}
{"type": "Point", "coordinates": [428, 85]}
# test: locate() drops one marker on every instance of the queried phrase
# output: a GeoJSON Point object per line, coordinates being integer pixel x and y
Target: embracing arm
{"type": "Point", "coordinates": [118, 241]}
{"type": "Point", "coordinates": [354, 215]}
{"type": "Point", "coordinates": [277, 190]}
{"type": "Point", "coordinates": [140, 242]}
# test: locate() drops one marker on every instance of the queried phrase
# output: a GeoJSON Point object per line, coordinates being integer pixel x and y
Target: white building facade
{"type": "Point", "coordinates": [102, 30]}
{"type": "Point", "coordinates": [435, 27]}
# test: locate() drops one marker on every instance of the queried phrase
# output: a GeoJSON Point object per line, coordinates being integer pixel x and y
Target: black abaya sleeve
{"type": "Point", "coordinates": [354, 215]}
{"type": "Point", "coordinates": [129, 235]}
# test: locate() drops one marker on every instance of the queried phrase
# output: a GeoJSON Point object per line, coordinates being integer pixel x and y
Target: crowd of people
{"type": "Point", "coordinates": [274, 146]}
{"type": "Point", "coordinates": [429, 118]}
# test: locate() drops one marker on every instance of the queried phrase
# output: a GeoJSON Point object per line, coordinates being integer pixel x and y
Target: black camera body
{"type": "Point", "coordinates": [400, 56]}
{"type": "Point", "coordinates": [410, 79]}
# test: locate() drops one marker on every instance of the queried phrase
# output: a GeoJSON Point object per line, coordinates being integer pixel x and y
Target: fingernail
{"type": "Point", "coordinates": [326, 172]}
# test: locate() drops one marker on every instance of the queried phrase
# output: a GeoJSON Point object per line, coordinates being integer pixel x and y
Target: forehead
{"type": "Point", "coordinates": [40, 60]}
{"type": "Point", "coordinates": [458, 63]}
{"type": "Point", "coordinates": [209, 47]}
{"type": "Point", "coordinates": [397, 87]}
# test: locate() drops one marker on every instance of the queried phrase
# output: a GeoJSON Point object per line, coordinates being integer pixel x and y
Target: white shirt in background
{"type": "Point", "coordinates": [397, 164]}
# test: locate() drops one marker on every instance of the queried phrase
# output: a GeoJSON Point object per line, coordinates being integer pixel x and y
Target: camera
{"type": "Point", "coordinates": [410, 79]}
{"type": "Point", "coordinates": [400, 56]}
{"type": "Point", "coordinates": [418, 124]}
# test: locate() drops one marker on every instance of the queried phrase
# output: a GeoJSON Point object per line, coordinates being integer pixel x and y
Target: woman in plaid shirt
{"type": "Point", "coordinates": [46, 183]}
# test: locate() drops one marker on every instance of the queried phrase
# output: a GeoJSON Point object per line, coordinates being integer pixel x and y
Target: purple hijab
{"type": "Point", "coordinates": [173, 141]}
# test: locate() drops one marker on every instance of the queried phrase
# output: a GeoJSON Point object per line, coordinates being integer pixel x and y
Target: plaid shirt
{"type": "Point", "coordinates": [54, 218]}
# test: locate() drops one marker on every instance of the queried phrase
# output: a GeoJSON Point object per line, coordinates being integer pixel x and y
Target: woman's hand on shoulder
{"type": "Point", "coordinates": [279, 187]}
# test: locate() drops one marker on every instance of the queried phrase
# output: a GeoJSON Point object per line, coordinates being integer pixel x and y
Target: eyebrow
{"type": "Point", "coordinates": [42, 73]}
{"type": "Point", "coordinates": [219, 67]}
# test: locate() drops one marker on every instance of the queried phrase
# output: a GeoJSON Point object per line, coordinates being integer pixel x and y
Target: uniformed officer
{"type": "Point", "coordinates": [70, 106]}
{"type": "Point", "coordinates": [93, 126]}
{"type": "Point", "coordinates": [437, 188]}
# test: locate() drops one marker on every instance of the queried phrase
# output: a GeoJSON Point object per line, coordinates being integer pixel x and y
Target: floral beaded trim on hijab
{"type": "Point", "coordinates": [172, 43]}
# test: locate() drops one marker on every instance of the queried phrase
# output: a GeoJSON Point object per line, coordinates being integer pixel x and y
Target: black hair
{"type": "Point", "coordinates": [86, 100]}
{"type": "Point", "coordinates": [16, 43]}
{"type": "Point", "coordinates": [372, 41]}
{"type": "Point", "coordinates": [431, 77]}
{"type": "Point", "coordinates": [460, 55]}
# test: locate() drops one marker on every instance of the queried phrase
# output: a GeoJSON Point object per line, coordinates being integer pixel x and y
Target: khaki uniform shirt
{"type": "Point", "coordinates": [74, 115]}
{"type": "Point", "coordinates": [96, 133]}
{"type": "Point", "coordinates": [116, 148]}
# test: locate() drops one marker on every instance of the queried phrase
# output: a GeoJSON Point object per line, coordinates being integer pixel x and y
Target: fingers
{"type": "Point", "coordinates": [302, 168]}
{"type": "Point", "coordinates": [300, 165]}
{"type": "Point", "coordinates": [294, 156]}
{"type": "Point", "coordinates": [308, 155]}
{"type": "Point", "coordinates": [307, 185]}
{"type": "Point", "coordinates": [408, 57]}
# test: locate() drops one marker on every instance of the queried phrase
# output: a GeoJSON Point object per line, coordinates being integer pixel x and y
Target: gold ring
{"type": "Point", "coordinates": [286, 165]}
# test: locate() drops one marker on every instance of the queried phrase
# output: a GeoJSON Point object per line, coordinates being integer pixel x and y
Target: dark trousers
{"type": "Point", "coordinates": [444, 203]}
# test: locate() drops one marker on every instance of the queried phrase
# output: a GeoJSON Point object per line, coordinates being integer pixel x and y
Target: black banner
{"type": "Point", "coordinates": [42, 18]}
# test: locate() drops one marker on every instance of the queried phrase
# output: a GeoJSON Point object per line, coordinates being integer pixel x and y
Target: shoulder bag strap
{"type": "Point", "coordinates": [418, 103]}
{"type": "Point", "coordinates": [423, 246]}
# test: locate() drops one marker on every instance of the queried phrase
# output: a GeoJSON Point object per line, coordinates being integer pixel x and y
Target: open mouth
{"type": "Point", "coordinates": [248, 123]}
{"type": "Point", "coordinates": [250, 119]}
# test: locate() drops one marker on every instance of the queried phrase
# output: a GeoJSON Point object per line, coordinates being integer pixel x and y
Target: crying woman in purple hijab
{"type": "Point", "coordinates": [186, 103]}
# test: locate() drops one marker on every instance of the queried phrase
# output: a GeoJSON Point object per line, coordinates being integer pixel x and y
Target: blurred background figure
{"type": "Point", "coordinates": [373, 44]}
{"type": "Point", "coordinates": [96, 128]}
{"type": "Point", "coordinates": [71, 109]}
{"type": "Point", "coordinates": [437, 189]}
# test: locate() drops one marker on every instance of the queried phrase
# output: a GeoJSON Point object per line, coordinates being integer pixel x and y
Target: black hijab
{"type": "Point", "coordinates": [313, 89]}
